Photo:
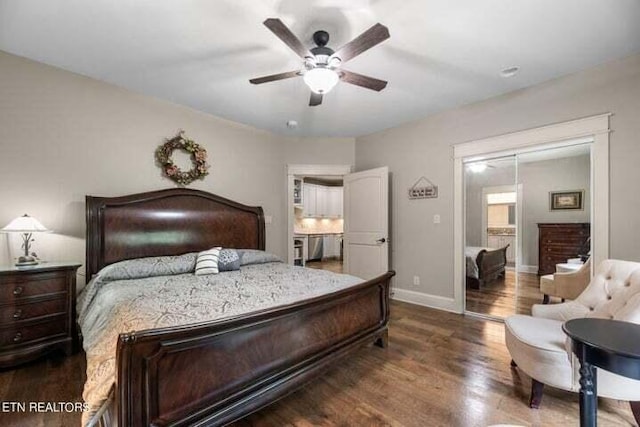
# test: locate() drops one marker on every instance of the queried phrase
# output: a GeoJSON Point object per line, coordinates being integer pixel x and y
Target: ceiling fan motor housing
{"type": "Point", "coordinates": [321, 38]}
{"type": "Point", "coordinates": [321, 52]}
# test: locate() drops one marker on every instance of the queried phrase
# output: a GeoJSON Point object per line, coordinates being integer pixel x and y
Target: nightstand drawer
{"type": "Point", "coordinates": [19, 335]}
{"type": "Point", "coordinates": [18, 287]}
{"type": "Point", "coordinates": [13, 314]}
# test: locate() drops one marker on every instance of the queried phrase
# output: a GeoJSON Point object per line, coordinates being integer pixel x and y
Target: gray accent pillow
{"type": "Point", "coordinates": [228, 260]}
{"type": "Point", "coordinates": [149, 267]}
{"type": "Point", "coordinates": [254, 256]}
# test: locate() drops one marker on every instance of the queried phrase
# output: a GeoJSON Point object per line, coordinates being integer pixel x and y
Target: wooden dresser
{"type": "Point", "coordinates": [558, 242]}
{"type": "Point", "coordinates": [37, 311]}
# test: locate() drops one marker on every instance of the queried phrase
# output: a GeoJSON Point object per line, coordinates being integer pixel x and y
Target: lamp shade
{"type": "Point", "coordinates": [25, 224]}
{"type": "Point", "coordinates": [321, 80]}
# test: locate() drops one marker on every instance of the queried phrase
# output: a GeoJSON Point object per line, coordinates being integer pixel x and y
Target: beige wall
{"type": "Point", "coordinates": [538, 179]}
{"type": "Point", "coordinates": [63, 136]}
{"type": "Point", "coordinates": [424, 147]}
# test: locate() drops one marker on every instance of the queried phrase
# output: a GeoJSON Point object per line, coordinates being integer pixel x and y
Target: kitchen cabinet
{"type": "Point", "coordinates": [328, 246]}
{"type": "Point", "coordinates": [300, 250]}
{"type": "Point", "coordinates": [320, 201]}
{"type": "Point", "coordinates": [334, 202]}
{"type": "Point", "coordinates": [337, 245]}
{"type": "Point", "coordinates": [331, 245]}
{"type": "Point", "coordinates": [309, 195]}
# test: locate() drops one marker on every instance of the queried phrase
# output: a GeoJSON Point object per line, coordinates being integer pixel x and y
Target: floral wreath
{"type": "Point", "coordinates": [198, 159]}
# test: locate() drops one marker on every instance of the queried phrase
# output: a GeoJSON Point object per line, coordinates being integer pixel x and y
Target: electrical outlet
{"type": "Point", "coordinates": [436, 219]}
{"type": "Point", "coordinates": [416, 280]}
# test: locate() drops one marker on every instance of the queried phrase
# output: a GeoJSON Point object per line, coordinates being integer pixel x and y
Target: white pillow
{"type": "Point", "coordinates": [207, 262]}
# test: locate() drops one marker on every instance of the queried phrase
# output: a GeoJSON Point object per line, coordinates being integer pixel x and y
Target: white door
{"type": "Point", "coordinates": [366, 223]}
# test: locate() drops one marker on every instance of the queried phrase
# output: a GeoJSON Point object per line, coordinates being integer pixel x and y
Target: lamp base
{"type": "Point", "coordinates": [26, 260]}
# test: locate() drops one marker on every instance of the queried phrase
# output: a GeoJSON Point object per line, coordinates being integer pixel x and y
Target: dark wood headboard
{"type": "Point", "coordinates": [167, 222]}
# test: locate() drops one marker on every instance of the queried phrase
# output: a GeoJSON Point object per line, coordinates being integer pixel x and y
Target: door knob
{"type": "Point", "coordinates": [381, 240]}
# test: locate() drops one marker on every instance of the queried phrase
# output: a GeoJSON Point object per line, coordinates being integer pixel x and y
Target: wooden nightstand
{"type": "Point", "coordinates": [37, 311]}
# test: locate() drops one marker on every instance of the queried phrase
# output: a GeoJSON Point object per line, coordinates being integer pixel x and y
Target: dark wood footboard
{"type": "Point", "coordinates": [491, 265]}
{"type": "Point", "coordinates": [218, 372]}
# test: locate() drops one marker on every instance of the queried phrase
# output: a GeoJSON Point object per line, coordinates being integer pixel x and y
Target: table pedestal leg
{"type": "Point", "coordinates": [588, 395]}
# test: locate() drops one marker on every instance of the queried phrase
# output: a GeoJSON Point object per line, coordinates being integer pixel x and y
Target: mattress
{"type": "Point", "coordinates": [163, 292]}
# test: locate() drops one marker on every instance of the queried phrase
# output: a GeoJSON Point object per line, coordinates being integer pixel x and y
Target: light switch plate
{"type": "Point", "coordinates": [436, 219]}
{"type": "Point", "coordinates": [268, 219]}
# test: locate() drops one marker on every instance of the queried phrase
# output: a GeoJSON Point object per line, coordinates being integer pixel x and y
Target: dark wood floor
{"type": "Point", "coordinates": [326, 264]}
{"type": "Point", "coordinates": [500, 299]}
{"type": "Point", "coordinates": [440, 369]}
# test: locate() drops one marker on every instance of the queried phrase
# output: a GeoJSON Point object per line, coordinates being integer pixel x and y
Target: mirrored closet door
{"type": "Point", "coordinates": [527, 217]}
{"type": "Point", "coordinates": [491, 213]}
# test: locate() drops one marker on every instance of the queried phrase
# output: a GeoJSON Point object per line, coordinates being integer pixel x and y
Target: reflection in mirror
{"type": "Point", "coordinates": [516, 238]}
{"type": "Point", "coordinates": [490, 252]}
{"type": "Point", "coordinates": [555, 239]}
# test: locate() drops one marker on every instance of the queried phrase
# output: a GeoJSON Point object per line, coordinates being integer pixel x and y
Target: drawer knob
{"type": "Point", "coordinates": [18, 290]}
{"type": "Point", "coordinates": [17, 337]}
{"type": "Point", "coordinates": [17, 314]}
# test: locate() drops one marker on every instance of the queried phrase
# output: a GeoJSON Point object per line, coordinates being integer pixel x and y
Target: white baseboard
{"type": "Point", "coordinates": [427, 300]}
{"type": "Point", "coordinates": [528, 269]}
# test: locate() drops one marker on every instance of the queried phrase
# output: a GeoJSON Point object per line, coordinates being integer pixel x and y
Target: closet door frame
{"type": "Point", "coordinates": [594, 130]}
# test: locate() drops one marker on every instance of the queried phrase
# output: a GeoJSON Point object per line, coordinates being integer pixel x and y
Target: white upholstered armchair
{"type": "Point", "coordinates": [566, 285]}
{"type": "Point", "coordinates": [539, 347]}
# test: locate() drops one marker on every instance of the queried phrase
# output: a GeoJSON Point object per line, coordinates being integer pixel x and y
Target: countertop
{"type": "Point", "coordinates": [313, 233]}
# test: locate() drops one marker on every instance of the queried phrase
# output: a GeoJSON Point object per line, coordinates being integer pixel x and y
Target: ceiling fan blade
{"type": "Point", "coordinates": [316, 99]}
{"type": "Point", "coordinates": [363, 81]}
{"type": "Point", "coordinates": [274, 77]}
{"type": "Point", "coordinates": [374, 35]}
{"type": "Point", "coordinates": [283, 32]}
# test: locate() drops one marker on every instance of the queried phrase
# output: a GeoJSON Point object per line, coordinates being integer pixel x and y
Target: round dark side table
{"type": "Point", "coordinates": [608, 344]}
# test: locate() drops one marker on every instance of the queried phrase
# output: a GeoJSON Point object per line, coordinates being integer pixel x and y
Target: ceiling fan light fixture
{"type": "Point", "coordinates": [321, 80]}
{"type": "Point", "coordinates": [478, 167]}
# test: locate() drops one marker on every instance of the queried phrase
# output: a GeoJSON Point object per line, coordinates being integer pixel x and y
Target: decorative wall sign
{"type": "Point", "coordinates": [428, 191]}
{"type": "Point", "coordinates": [173, 172]}
{"type": "Point", "coordinates": [566, 200]}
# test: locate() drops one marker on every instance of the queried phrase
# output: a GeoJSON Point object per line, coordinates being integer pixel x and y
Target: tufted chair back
{"type": "Point", "coordinates": [614, 292]}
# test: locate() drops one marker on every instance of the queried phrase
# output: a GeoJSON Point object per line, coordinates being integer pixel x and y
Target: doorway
{"type": "Point", "coordinates": [358, 237]}
{"type": "Point", "coordinates": [315, 216]}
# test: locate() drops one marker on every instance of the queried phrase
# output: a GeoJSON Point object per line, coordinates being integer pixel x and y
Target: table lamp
{"type": "Point", "coordinates": [26, 225]}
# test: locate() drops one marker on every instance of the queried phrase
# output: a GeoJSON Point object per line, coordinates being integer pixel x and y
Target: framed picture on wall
{"type": "Point", "coordinates": [566, 200]}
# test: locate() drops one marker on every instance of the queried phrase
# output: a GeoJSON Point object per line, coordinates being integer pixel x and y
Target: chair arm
{"type": "Point", "coordinates": [563, 312]}
{"type": "Point", "coordinates": [570, 285]}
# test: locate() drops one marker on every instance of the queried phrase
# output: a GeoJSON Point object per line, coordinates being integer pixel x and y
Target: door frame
{"type": "Point", "coordinates": [493, 190]}
{"type": "Point", "coordinates": [594, 129]}
{"type": "Point", "coordinates": [305, 170]}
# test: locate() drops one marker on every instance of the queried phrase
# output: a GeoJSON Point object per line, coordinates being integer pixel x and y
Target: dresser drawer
{"type": "Point", "coordinates": [13, 314]}
{"type": "Point", "coordinates": [24, 334]}
{"type": "Point", "coordinates": [17, 288]}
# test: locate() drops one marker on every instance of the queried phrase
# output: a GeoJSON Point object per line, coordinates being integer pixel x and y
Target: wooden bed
{"type": "Point", "coordinates": [491, 266]}
{"type": "Point", "coordinates": [257, 358]}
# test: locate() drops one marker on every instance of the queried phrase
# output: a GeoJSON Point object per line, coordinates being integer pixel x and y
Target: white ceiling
{"type": "Point", "coordinates": [202, 53]}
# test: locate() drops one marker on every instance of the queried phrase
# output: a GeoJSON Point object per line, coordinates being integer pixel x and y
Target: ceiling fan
{"type": "Point", "coordinates": [322, 64]}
